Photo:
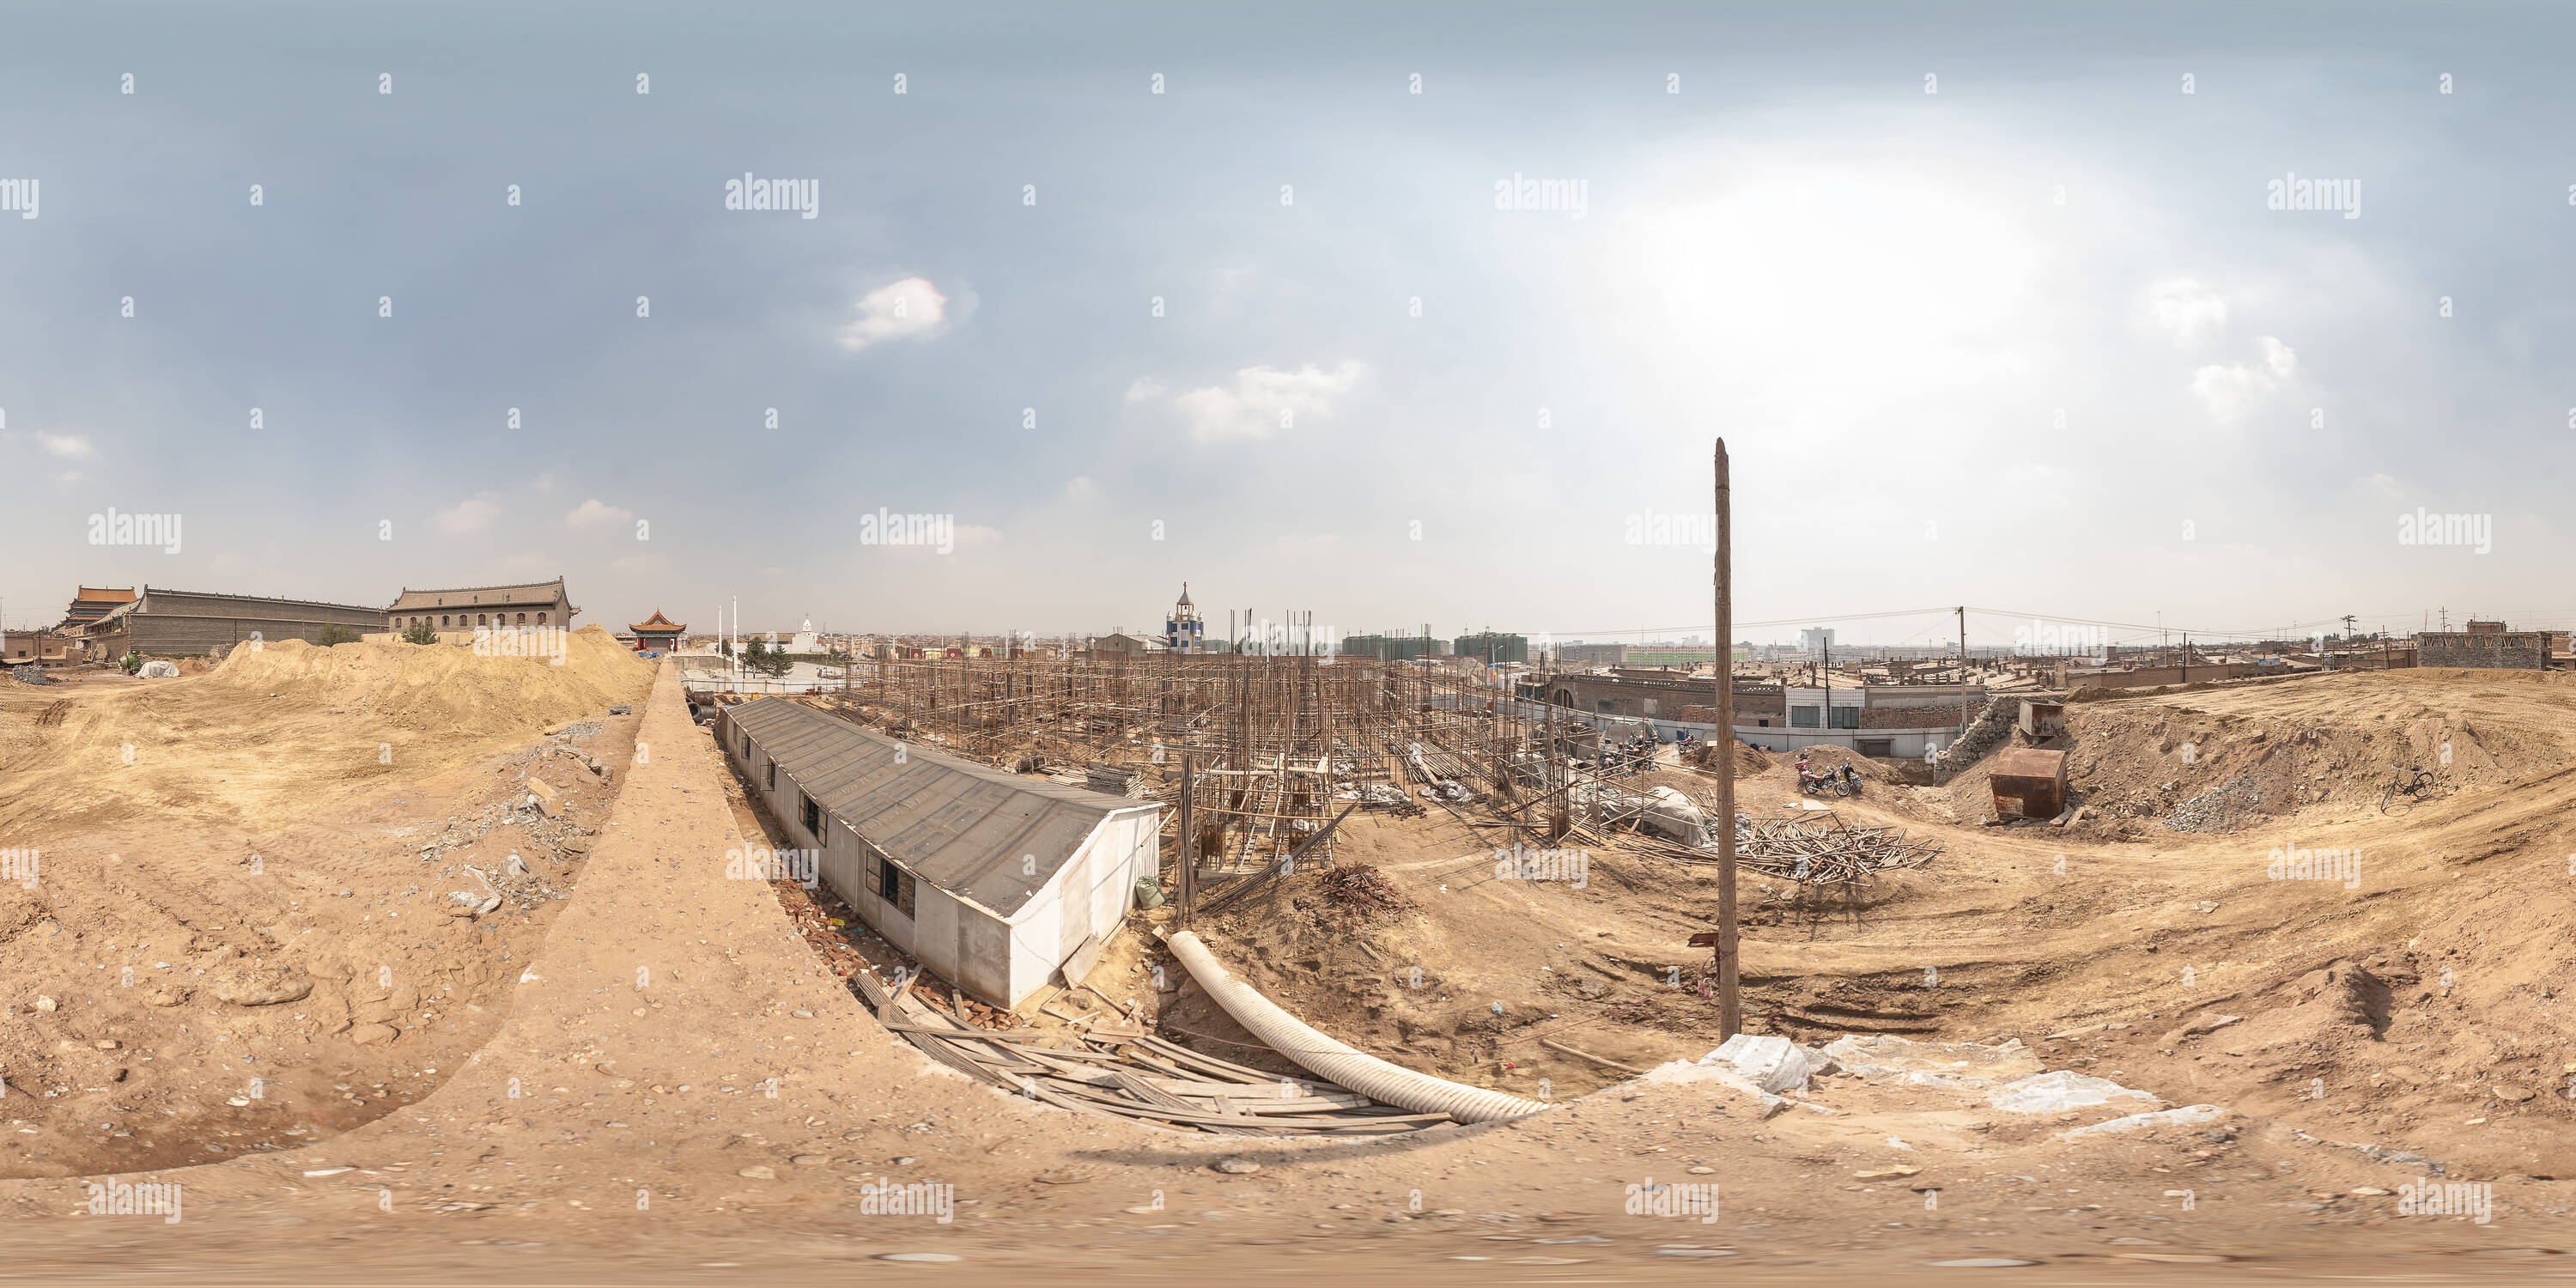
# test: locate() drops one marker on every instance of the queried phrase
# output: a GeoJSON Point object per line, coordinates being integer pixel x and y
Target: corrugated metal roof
{"type": "Point", "coordinates": [965, 828]}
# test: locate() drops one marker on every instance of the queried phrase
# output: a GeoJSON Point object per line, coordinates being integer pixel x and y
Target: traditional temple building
{"type": "Point", "coordinates": [92, 604]}
{"type": "Point", "coordinates": [657, 634]}
{"type": "Point", "coordinates": [543, 603]}
{"type": "Point", "coordinates": [1183, 632]}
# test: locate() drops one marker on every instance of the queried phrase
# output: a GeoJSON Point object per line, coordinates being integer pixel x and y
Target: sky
{"type": "Point", "coordinates": [1398, 316]}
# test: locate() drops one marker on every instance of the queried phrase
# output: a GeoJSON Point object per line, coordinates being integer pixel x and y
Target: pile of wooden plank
{"type": "Point", "coordinates": [1126, 1072]}
{"type": "Point", "coordinates": [1810, 848]}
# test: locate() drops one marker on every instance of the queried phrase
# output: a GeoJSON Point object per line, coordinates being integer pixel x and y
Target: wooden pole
{"type": "Point", "coordinates": [1963, 670]}
{"type": "Point", "coordinates": [1730, 1004]}
{"type": "Point", "coordinates": [1189, 884]}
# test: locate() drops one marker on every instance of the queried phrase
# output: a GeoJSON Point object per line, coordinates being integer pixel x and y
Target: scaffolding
{"type": "Point", "coordinates": [1278, 745]}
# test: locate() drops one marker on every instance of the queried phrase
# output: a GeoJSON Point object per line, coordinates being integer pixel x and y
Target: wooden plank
{"type": "Point", "coordinates": [1164, 1102]}
{"type": "Point", "coordinates": [1044, 1093]}
{"type": "Point", "coordinates": [1554, 1045]}
{"type": "Point", "coordinates": [1221, 1068]}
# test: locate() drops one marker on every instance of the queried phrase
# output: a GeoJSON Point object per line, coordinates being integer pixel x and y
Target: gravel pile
{"type": "Point", "coordinates": [2223, 808]}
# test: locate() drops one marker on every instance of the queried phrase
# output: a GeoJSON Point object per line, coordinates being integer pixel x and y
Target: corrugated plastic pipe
{"type": "Point", "coordinates": [1338, 1062]}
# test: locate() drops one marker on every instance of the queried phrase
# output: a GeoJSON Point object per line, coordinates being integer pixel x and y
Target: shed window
{"type": "Point", "coordinates": [813, 811]}
{"type": "Point", "coordinates": [1802, 717]}
{"type": "Point", "coordinates": [746, 746]}
{"type": "Point", "coordinates": [772, 780]}
{"type": "Point", "coordinates": [1846, 717]}
{"type": "Point", "coordinates": [894, 885]}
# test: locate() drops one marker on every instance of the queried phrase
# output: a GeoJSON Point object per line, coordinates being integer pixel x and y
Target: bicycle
{"type": "Point", "coordinates": [2410, 779]}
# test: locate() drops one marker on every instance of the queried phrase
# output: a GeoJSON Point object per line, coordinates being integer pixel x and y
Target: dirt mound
{"type": "Point", "coordinates": [2321, 1011]}
{"type": "Point", "coordinates": [2224, 759]}
{"type": "Point", "coordinates": [439, 687]}
{"type": "Point", "coordinates": [1749, 761]}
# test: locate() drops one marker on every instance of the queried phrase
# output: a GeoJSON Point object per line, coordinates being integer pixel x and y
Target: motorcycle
{"type": "Point", "coordinates": [1828, 784]}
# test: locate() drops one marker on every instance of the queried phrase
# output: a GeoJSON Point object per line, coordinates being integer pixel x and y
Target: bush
{"type": "Point", "coordinates": [131, 663]}
{"type": "Point", "coordinates": [334, 633]}
{"type": "Point", "coordinates": [420, 633]}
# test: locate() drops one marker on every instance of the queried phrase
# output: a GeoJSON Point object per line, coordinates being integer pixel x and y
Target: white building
{"type": "Point", "coordinates": [1183, 631]}
{"type": "Point", "coordinates": [990, 879]}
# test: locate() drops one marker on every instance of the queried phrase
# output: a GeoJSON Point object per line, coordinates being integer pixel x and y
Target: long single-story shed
{"type": "Point", "coordinates": [991, 879]}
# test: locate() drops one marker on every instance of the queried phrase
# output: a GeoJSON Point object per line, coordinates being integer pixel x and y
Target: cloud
{"type": "Point", "coordinates": [2231, 391]}
{"type": "Point", "coordinates": [909, 307]}
{"type": "Point", "coordinates": [473, 514]}
{"type": "Point", "coordinates": [976, 534]}
{"type": "Point", "coordinates": [1262, 400]}
{"type": "Point", "coordinates": [2186, 310]}
{"type": "Point", "coordinates": [1081, 488]}
{"type": "Point", "coordinates": [2278, 356]}
{"type": "Point", "coordinates": [634, 565]}
{"type": "Point", "coordinates": [592, 514]}
{"type": "Point", "coordinates": [67, 446]}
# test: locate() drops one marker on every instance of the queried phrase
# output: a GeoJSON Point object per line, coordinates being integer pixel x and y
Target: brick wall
{"type": "Point", "coordinates": [2513, 650]}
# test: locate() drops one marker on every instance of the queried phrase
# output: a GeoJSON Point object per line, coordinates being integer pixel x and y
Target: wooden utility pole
{"type": "Point", "coordinates": [1963, 670]}
{"type": "Point", "coordinates": [1730, 1003]}
{"type": "Point", "coordinates": [1189, 883]}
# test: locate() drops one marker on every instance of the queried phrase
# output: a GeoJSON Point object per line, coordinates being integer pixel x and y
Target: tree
{"type": "Point", "coordinates": [761, 657]}
{"type": "Point", "coordinates": [334, 633]}
{"type": "Point", "coordinates": [420, 633]}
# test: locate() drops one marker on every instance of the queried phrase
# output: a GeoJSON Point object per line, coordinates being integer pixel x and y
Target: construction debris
{"type": "Point", "coordinates": [1123, 1071]}
{"type": "Point", "coordinates": [1363, 887]}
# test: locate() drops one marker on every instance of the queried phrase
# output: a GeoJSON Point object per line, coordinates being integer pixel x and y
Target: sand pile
{"type": "Point", "coordinates": [441, 687]}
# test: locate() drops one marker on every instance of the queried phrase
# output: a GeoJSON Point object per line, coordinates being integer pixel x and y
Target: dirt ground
{"type": "Point", "coordinates": [665, 1082]}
